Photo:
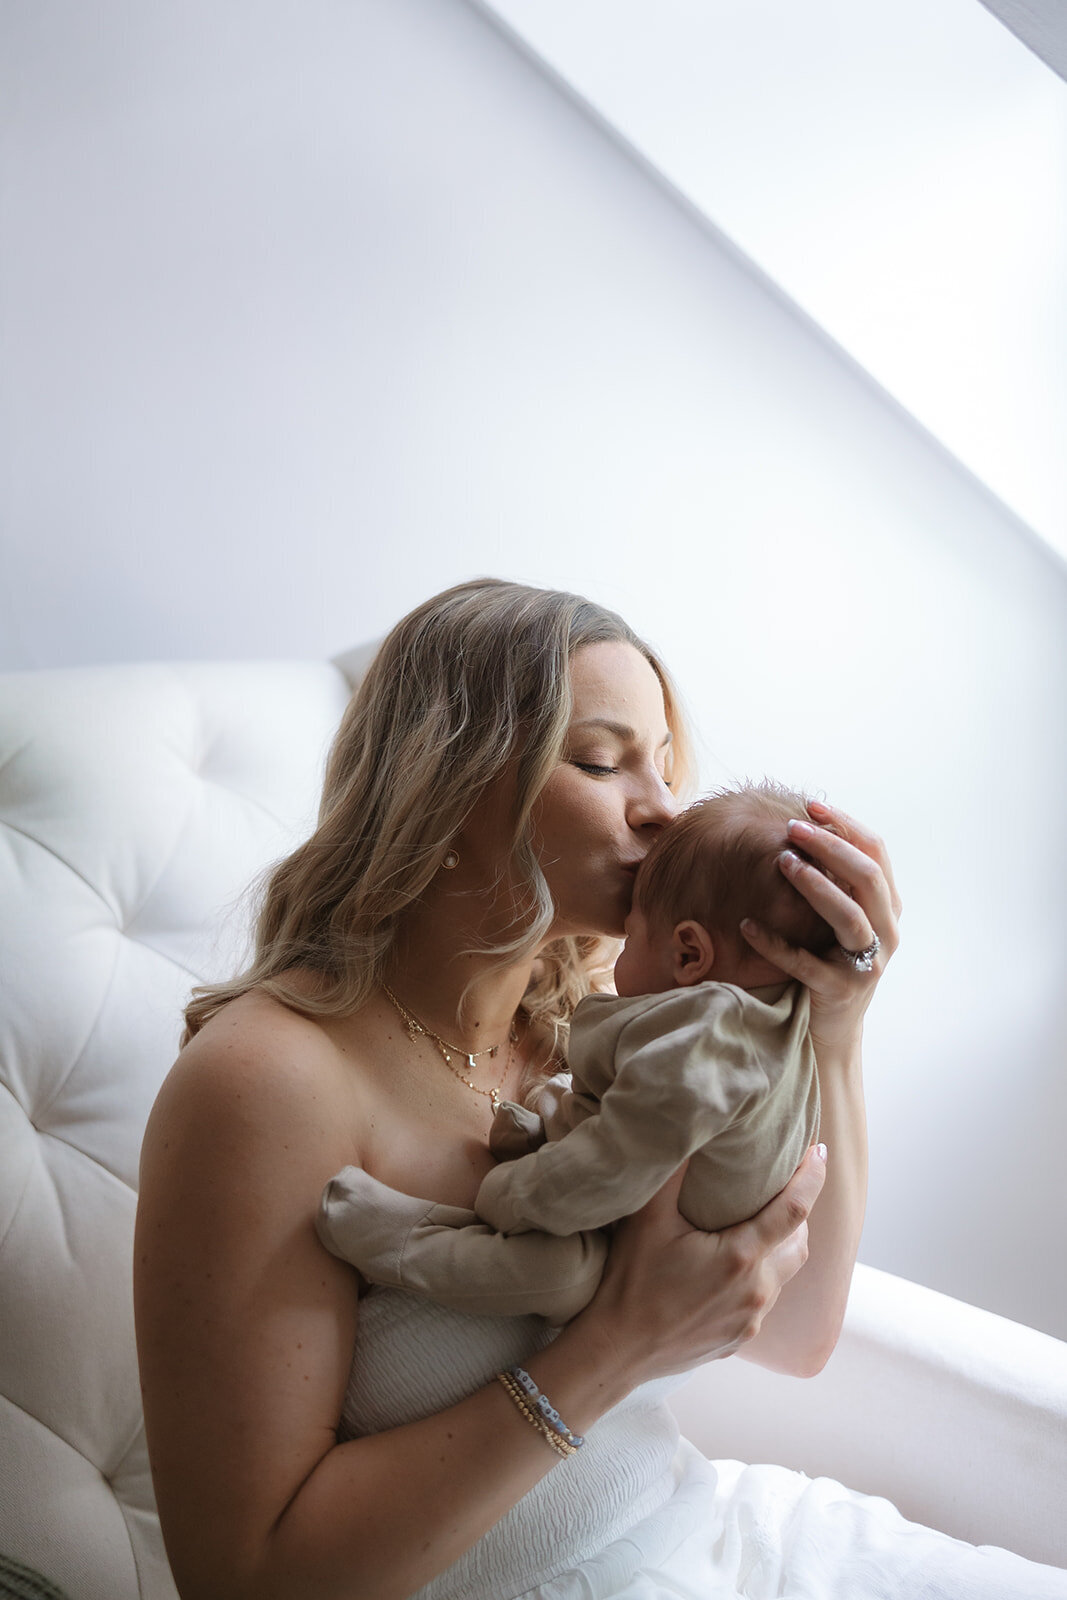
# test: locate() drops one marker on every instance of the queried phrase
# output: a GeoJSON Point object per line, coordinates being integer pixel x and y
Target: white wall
{"type": "Point", "coordinates": [314, 308]}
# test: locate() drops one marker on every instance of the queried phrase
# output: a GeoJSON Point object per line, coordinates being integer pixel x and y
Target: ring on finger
{"type": "Point", "coordinates": [862, 960]}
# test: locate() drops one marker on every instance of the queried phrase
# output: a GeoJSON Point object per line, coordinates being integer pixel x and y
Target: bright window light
{"type": "Point", "coordinates": [898, 169]}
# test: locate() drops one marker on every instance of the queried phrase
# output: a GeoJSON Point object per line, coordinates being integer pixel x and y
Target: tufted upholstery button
{"type": "Point", "coordinates": [136, 805]}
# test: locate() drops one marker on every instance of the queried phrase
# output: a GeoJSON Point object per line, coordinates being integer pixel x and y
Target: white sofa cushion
{"type": "Point", "coordinates": [956, 1415]}
{"type": "Point", "coordinates": [136, 804]}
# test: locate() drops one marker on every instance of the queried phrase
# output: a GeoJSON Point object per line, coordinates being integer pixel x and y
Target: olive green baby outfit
{"type": "Point", "coordinates": [722, 1075]}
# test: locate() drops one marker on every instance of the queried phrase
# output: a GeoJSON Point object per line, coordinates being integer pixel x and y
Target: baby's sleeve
{"type": "Point", "coordinates": [564, 1104]}
{"type": "Point", "coordinates": [683, 1071]}
{"type": "Point", "coordinates": [448, 1255]}
{"type": "Point", "coordinates": [515, 1131]}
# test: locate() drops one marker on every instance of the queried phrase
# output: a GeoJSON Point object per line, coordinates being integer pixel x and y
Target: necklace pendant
{"type": "Point", "coordinates": [414, 1027]}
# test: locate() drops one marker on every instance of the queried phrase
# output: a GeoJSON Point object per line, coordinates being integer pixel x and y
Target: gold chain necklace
{"type": "Point", "coordinates": [447, 1050]}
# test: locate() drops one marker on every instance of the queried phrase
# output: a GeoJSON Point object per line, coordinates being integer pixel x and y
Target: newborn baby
{"type": "Point", "coordinates": [703, 1053]}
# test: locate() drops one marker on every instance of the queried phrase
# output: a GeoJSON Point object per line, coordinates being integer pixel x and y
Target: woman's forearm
{"type": "Point", "coordinates": [801, 1331]}
{"type": "Point", "coordinates": [380, 1516]}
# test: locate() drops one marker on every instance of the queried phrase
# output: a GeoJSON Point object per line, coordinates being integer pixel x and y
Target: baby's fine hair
{"type": "Point", "coordinates": [717, 863]}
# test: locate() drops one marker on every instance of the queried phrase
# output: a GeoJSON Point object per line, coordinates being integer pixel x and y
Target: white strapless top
{"type": "Point", "coordinates": [414, 1357]}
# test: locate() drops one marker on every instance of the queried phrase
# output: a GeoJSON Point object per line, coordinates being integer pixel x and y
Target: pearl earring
{"type": "Point", "coordinates": [451, 860]}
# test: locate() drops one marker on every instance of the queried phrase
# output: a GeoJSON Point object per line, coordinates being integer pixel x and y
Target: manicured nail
{"type": "Point", "coordinates": [820, 1151]}
{"type": "Point", "coordinates": [800, 830]}
{"type": "Point", "coordinates": [749, 926]}
{"type": "Point", "coordinates": [819, 809]}
{"type": "Point", "coordinates": [790, 861]}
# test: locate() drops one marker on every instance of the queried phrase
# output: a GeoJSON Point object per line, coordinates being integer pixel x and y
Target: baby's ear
{"type": "Point", "coordinates": [693, 953]}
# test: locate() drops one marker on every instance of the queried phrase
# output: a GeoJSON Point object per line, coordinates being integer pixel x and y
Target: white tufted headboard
{"type": "Point", "coordinates": [136, 805]}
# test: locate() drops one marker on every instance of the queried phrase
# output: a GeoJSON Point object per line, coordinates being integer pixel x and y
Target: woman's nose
{"type": "Point", "coordinates": [654, 805]}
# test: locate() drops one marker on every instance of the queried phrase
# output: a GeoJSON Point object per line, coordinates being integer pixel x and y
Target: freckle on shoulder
{"type": "Point", "coordinates": [257, 1063]}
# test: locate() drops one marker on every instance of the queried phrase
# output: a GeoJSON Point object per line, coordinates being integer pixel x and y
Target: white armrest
{"type": "Point", "coordinates": [956, 1415]}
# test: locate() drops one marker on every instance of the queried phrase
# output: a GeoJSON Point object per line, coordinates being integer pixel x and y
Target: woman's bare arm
{"type": "Point", "coordinates": [245, 1331]}
{"type": "Point", "coordinates": [859, 902]}
{"type": "Point", "coordinates": [246, 1327]}
{"type": "Point", "coordinates": [800, 1337]}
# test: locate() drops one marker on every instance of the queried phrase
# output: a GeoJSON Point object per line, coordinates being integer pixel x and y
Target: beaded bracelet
{"type": "Point", "coordinates": [548, 1434]}
{"type": "Point", "coordinates": [550, 1414]}
{"type": "Point", "coordinates": [536, 1407]}
{"type": "Point", "coordinates": [550, 1437]}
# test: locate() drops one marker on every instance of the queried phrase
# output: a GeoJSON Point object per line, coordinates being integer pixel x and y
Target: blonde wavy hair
{"type": "Point", "coordinates": [466, 683]}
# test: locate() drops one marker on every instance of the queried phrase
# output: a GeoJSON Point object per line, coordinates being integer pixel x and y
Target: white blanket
{"type": "Point", "coordinates": [733, 1532]}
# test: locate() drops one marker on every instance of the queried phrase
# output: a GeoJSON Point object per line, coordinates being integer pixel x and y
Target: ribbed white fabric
{"type": "Point", "coordinates": [638, 1515]}
{"type": "Point", "coordinates": [414, 1357]}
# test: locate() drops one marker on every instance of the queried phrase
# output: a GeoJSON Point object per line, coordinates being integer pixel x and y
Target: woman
{"type": "Point", "coordinates": [493, 786]}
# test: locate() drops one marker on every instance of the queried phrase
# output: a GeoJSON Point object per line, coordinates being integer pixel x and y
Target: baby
{"type": "Point", "coordinates": [704, 1053]}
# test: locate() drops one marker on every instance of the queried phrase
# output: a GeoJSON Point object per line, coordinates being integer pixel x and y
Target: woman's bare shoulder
{"type": "Point", "coordinates": [258, 1027]}
{"type": "Point", "coordinates": [258, 1068]}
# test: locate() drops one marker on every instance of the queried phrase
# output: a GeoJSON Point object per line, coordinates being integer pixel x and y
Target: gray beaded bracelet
{"type": "Point", "coordinates": [547, 1411]}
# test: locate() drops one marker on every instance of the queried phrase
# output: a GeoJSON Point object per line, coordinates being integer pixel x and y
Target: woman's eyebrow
{"type": "Point", "coordinates": [621, 730]}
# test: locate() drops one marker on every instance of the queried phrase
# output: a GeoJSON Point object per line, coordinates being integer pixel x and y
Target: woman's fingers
{"type": "Point", "coordinates": [794, 962]}
{"type": "Point", "coordinates": [676, 1296]}
{"type": "Point", "coordinates": [854, 923]}
{"type": "Point", "coordinates": [859, 872]}
{"type": "Point", "coordinates": [852, 894]}
{"type": "Point", "coordinates": [845, 876]}
{"type": "Point", "coordinates": [769, 1228]}
{"type": "Point", "coordinates": [779, 1221]}
{"type": "Point", "coordinates": [856, 834]}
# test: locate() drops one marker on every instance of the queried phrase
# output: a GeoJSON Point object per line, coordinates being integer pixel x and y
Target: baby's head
{"type": "Point", "coordinates": [713, 866]}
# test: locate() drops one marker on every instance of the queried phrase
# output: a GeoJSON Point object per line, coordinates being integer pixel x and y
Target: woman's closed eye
{"type": "Point", "coordinates": [599, 770]}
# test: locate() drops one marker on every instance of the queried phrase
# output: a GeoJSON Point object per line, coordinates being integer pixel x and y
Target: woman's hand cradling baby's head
{"type": "Point", "coordinates": [860, 902]}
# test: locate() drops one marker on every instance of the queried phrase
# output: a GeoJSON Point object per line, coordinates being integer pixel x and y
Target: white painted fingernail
{"type": "Point", "coordinates": [820, 1151]}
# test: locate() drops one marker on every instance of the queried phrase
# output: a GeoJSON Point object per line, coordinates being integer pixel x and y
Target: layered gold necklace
{"type": "Point", "coordinates": [415, 1027]}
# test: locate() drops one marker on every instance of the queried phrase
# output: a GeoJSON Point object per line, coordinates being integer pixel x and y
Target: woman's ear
{"type": "Point", "coordinates": [692, 954]}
